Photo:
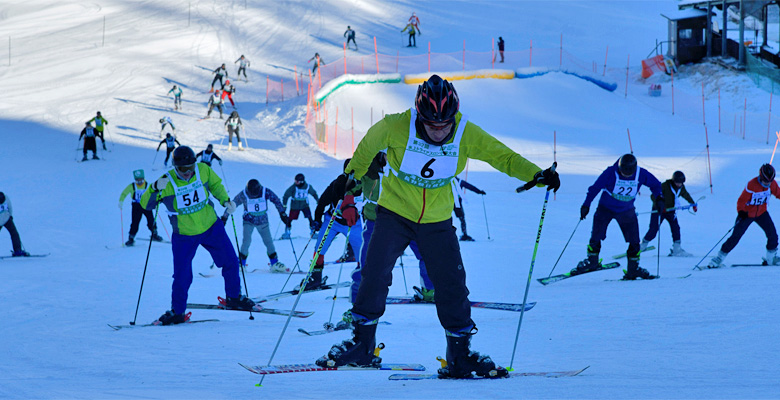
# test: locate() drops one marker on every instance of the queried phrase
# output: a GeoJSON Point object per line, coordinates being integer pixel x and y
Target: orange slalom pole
{"type": "Point", "coordinates": [376, 54]}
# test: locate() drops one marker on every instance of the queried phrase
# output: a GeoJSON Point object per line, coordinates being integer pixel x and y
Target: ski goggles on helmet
{"type": "Point", "coordinates": [186, 170]}
{"type": "Point", "coordinates": [438, 125]}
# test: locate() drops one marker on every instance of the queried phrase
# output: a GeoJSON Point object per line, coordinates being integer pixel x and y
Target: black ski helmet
{"type": "Point", "coordinates": [210, 147]}
{"type": "Point", "coordinates": [2, 197]}
{"type": "Point", "coordinates": [183, 156]}
{"type": "Point", "coordinates": [678, 177]}
{"type": "Point", "coordinates": [161, 120]}
{"type": "Point", "coordinates": [167, 135]}
{"type": "Point", "coordinates": [627, 165]}
{"type": "Point", "coordinates": [253, 188]}
{"type": "Point", "coordinates": [436, 101]}
{"type": "Point", "coordinates": [766, 174]}
{"type": "Point", "coordinates": [300, 178]}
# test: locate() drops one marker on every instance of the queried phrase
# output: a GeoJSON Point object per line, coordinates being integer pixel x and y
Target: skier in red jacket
{"type": "Point", "coordinates": [751, 207]}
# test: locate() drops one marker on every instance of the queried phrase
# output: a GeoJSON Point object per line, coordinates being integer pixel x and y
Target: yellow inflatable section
{"type": "Point", "coordinates": [416, 79]}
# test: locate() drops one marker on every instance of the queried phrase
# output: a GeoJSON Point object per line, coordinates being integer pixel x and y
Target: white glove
{"type": "Point", "coordinates": [120, 204]}
{"type": "Point", "coordinates": [230, 206]}
{"type": "Point", "coordinates": [161, 183]}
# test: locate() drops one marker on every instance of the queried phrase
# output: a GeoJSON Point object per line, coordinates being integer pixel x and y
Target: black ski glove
{"type": "Point", "coordinates": [584, 212]}
{"type": "Point", "coordinates": [549, 178]}
{"type": "Point", "coordinates": [660, 204]}
{"type": "Point", "coordinates": [741, 215]}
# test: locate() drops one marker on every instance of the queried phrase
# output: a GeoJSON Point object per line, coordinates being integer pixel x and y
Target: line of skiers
{"type": "Point", "coordinates": [426, 147]}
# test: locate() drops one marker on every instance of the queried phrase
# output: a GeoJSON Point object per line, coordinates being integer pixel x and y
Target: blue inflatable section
{"type": "Point", "coordinates": [602, 84]}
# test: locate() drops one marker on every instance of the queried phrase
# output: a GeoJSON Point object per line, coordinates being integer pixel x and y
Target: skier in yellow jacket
{"type": "Point", "coordinates": [427, 146]}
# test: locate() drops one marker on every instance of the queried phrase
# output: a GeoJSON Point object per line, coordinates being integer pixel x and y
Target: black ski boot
{"type": "Point", "coordinates": [130, 241]}
{"type": "Point", "coordinates": [315, 281]}
{"type": "Point", "coordinates": [171, 318]}
{"type": "Point", "coordinates": [462, 362]}
{"type": "Point", "coordinates": [587, 265]}
{"type": "Point", "coordinates": [634, 271]}
{"type": "Point", "coordinates": [358, 351]}
{"type": "Point", "coordinates": [156, 237]}
{"type": "Point", "coordinates": [466, 238]}
{"type": "Point", "coordinates": [239, 303]}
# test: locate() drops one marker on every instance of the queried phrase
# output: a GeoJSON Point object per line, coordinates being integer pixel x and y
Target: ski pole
{"type": "Point", "coordinates": [564, 248]}
{"type": "Point", "coordinates": [297, 260]}
{"type": "Point", "coordinates": [530, 274]}
{"type": "Point", "coordinates": [658, 251]}
{"type": "Point", "coordinates": [77, 151]}
{"type": "Point", "coordinates": [300, 291]}
{"type": "Point", "coordinates": [122, 225]}
{"type": "Point", "coordinates": [155, 156]}
{"type": "Point", "coordinates": [146, 263]}
{"type": "Point", "coordinates": [486, 218]}
{"type": "Point", "coordinates": [716, 245]}
{"type": "Point", "coordinates": [243, 274]}
{"type": "Point", "coordinates": [293, 248]}
{"type": "Point", "coordinates": [164, 228]}
{"type": "Point", "coordinates": [329, 325]}
{"type": "Point", "coordinates": [224, 177]}
{"type": "Point", "coordinates": [671, 209]}
{"type": "Point", "coordinates": [403, 272]}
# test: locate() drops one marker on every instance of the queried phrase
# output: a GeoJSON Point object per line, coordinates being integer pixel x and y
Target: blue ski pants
{"type": "Point", "coordinates": [216, 241]}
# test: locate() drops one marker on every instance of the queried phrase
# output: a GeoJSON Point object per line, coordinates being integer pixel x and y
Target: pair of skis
{"type": "Point", "coordinates": [289, 368]}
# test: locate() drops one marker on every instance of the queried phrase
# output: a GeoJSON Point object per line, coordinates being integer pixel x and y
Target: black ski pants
{"type": "Point", "coordinates": [137, 213]}
{"type": "Point", "coordinates": [741, 225]}
{"type": "Point", "coordinates": [168, 151]}
{"type": "Point", "coordinates": [16, 242]}
{"type": "Point", "coordinates": [90, 144]}
{"type": "Point", "coordinates": [438, 246]}
{"type": "Point", "coordinates": [462, 217]}
{"type": "Point", "coordinates": [656, 219]}
{"type": "Point", "coordinates": [628, 224]}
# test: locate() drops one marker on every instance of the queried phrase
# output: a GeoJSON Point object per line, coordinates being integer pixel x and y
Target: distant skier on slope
{"type": "Point", "coordinates": [233, 125]}
{"type": "Point", "coordinates": [89, 133]}
{"type": "Point", "coordinates": [672, 190]}
{"type": "Point", "coordinates": [166, 121]}
{"type": "Point", "coordinates": [350, 35]}
{"type": "Point", "coordinates": [170, 144]}
{"type": "Point", "coordinates": [618, 185]}
{"type": "Point", "coordinates": [7, 222]}
{"type": "Point", "coordinates": [215, 101]}
{"type": "Point", "coordinates": [255, 199]}
{"type": "Point", "coordinates": [752, 207]}
{"type": "Point", "coordinates": [219, 73]}
{"type": "Point", "coordinates": [242, 66]}
{"type": "Point", "coordinates": [299, 193]}
{"type": "Point", "coordinates": [228, 92]}
{"type": "Point", "coordinates": [317, 62]}
{"type": "Point", "coordinates": [100, 124]}
{"type": "Point", "coordinates": [207, 155]}
{"type": "Point", "coordinates": [138, 188]}
{"type": "Point", "coordinates": [186, 192]}
{"type": "Point", "coordinates": [176, 96]}
{"type": "Point", "coordinates": [413, 31]}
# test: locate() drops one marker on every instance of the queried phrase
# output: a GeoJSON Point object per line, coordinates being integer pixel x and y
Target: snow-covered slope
{"type": "Point", "coordinates": [711, 335]}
